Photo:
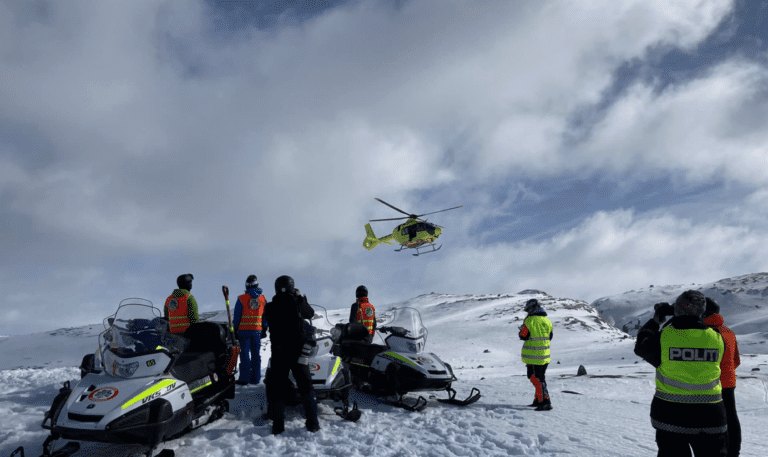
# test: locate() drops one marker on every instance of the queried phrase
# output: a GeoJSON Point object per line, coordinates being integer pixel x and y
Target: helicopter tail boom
{"type": "Point", "coordinates": [371, 241]}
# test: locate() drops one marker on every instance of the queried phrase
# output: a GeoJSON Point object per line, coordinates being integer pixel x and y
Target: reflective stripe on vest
{"type": "Point", "coordinates": [253, 311]}
{"type": "Point", "coordinates": [178, 313]}
{"type": "Point", "coordinates": [366, 313]}
{"type": "Point", "coordinates": [686, 430]}
{"type": "Point", "coordinates": [690, 366]}
{"type": "Point", "coordinates": [536, 348]}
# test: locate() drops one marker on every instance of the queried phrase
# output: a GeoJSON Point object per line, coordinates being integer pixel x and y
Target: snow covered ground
{"type": "Point", "coordinates": [605, 413]}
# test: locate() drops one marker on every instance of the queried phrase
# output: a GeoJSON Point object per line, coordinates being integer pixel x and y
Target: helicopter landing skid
{"type": "Point", "coordinates": [427, 252]}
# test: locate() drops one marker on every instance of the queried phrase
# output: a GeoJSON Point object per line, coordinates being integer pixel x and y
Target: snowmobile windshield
{"type": "Point", "coordinates": [137, 330]}
{"type": "Point", "coordinates": [407, 332]}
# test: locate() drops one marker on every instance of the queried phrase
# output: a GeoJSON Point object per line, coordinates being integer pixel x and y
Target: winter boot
{"type": "Point", "coordinates": [535, 403]}
{"type": "Point", "coordinates": [310, 411]}
{"type": "Point", "coordinates": [546, 405]}
{"type": "Point", "coordinates": [276, 411]}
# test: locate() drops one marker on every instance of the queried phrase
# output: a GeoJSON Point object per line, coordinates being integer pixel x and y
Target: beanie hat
{"type": "Point", "coordinates": [690, 303]}
{"type": "Point", "coordinates": [251, 282]}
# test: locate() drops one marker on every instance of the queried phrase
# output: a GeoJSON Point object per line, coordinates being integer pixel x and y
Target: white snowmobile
{"type": "Point", "coordinates": [144, 385]}
{"type": "Point", "coordinates": [400, 365]}
{"type": "Point", "coordinates": [331, 379]}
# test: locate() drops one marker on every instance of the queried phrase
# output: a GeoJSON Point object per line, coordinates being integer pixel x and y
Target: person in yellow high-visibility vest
{"type": "Point", "coordinates": [537, 332]}
{"type": "Point", "coordinates": [687, 410]}
{"type": "Point", "coordinates": [250, 328]}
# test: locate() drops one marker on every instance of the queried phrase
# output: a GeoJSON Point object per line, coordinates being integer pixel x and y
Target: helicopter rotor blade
{"type": "Point", "coordinates": [392, 219]}
{"type": "Point", "coordinates": [427, 214]}
{"type": "Point", "coordinates": [394, 208]}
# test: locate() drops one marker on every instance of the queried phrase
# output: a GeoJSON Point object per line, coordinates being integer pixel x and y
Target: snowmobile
{"type": "Point", "coordinates": [144, 385]}
{"type": "Point", "coordinates": [331, 379]}
{"type": "Point", "coordinates": [400, 365]}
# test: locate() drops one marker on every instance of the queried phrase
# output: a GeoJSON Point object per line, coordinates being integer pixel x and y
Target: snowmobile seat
{"type": "Point", "coordinates": [360, 351]}
{"type": "Point", "coordinates": [205, 337]}
{"type": "Point", "coordinates": [354, 331]}
{"type": "Point", "coordinates": [191, 366]}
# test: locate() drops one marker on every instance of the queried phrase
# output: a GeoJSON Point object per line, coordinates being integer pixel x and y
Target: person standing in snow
{"type": "Point", "coordinates": [363, 312]}
{"type": "Point", "coordinates": [728, 367]}
{"type": "Point", "coordinates": [250, 326]}
{"type": "Point", "coordinates": [181, 307]}
{"type": "Point", "coordinates": [537, 333]}
{"type": "Point", "coordinates": [285, 314]}
{"type": "Point", "coordinates": [687, 410]}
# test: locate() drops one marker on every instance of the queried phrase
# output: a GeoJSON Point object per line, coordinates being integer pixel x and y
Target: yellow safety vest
{"type": "Point", "coordinates": [536, 347]}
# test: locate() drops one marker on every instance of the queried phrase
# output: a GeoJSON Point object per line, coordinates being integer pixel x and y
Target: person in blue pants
{"type": "Point", "coordinates": [250, 327]}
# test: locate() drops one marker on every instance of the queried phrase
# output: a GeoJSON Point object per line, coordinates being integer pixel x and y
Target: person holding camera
{"type": "Point", "coordinates": [290, 347]}
{"type": "Point", "coordinates": [687, 410]}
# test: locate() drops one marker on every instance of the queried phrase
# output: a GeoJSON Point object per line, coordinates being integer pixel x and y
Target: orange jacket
{"type": "Point", "coordinates": [178, 311]}
{"type": "Point", "coordinates": [731, 358]}
{"type": "Point", "coordinates": [253, 311]}
{"type": "Point", "coordinates": [366, 314]}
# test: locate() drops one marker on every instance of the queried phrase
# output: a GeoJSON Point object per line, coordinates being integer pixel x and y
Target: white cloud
{"type": "Point", "coordinates": [696, 128]}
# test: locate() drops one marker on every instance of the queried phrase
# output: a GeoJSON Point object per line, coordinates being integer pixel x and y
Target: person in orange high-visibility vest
{"type": "Point", "coordinates": [181, 307]}
{"type": "Point", "coordinates": [250, 327]}
{"type": "Point", "coordinates": [363, 312]}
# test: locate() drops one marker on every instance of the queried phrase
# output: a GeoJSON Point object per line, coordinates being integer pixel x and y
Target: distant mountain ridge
{"type": "Point", "coordinates": [743, 304]}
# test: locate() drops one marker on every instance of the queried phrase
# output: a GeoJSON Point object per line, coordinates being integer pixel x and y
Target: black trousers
{"type": "Point", "coordinates": [680, 444]}
{"type": "Point", "coordinates": [734, 426]}
{"type": "Point", "coordinates": [281, 365]}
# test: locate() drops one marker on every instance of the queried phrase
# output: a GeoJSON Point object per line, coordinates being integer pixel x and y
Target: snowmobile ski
{"type": "Point", "coordinates": [418, 405]}
{"type": "Point", "coordinates": [474, 395]}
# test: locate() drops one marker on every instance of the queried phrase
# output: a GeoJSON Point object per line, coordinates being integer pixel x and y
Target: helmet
{"type": "Point", "coordinates": [251, 282]}
{"type": "Point", "coordinates": [711, 308]}
{"type": "Point", "coordinates": [185, 281]}
{"type": "Point", "coordinates": [690, 303]}
{"type": "Point", "coordinates": [361, 292]}
{"type": "Point", "coordinates": [531, 305]}
{"type": "Point", "coordinates": [284, 284]}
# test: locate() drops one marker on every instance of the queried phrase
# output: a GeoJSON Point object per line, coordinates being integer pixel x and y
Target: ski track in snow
{"type": "Point", "coordinates": [607, 416]}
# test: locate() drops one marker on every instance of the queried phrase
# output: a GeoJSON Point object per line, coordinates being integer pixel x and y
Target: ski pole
{"type": "Point", "coordinates": [225, 290]}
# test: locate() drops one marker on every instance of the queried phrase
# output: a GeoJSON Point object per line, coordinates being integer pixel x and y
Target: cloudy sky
{"type": "Point", "coordinates": [595, 147]}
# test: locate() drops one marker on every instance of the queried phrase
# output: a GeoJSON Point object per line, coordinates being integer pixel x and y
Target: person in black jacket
{"type": "Point", "coordinates": [687, 410]}
{"type": "Point", "coordinates": [285, 314]}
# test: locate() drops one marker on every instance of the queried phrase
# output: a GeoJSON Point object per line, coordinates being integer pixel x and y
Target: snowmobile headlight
{"type": "Point", "coordinates": [125, 370]}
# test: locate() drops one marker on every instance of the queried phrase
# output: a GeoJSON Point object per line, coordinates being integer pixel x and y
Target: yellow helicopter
{"type": "Point", "coordinates": [415, 233]}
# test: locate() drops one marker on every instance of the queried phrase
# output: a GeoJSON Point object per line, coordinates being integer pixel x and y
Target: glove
{"type": "Point", "coordinates": [662, 311]}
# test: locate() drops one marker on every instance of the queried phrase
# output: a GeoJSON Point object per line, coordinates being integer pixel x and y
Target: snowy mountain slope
{"type": "Point", "coordinates": [602, 414]}
{"type": "Point", "coordinates": [742, 300]}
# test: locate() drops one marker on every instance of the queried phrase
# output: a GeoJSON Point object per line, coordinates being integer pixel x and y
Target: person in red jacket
{"type": "Point", "coordinates": [728, 367]}
{"type": "Point", "coordinates": [180, 307]}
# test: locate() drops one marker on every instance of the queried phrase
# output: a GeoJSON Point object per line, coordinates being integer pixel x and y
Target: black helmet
{"type": "Point", "coordinates": [361, 292]}
{"type": "Point", "coordinates": [284, 284]}
{"type": "Point", "coordinates": [712, 308]}
{"type": "Point", "coordinates": [690, 303]}
{"type": "Point", "coordinates": [531, 305]}
{"type": "Point", "coordinates": [251, 282]}
{"type": "Point", "coordinates": [185, 281]}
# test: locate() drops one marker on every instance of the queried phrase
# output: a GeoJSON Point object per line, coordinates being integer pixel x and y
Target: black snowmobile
{"type": "Point", "coordinates": [144, 385]}
{"type": "Point", "coordinates": [400, 365]}
{"type": "Point", "coordinates": [331, 379]}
